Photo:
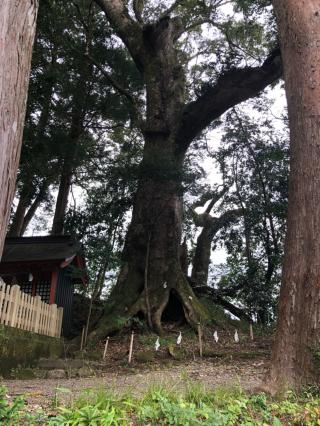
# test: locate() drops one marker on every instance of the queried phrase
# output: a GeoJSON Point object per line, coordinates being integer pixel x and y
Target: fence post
{"type": "Point", "coordinates": [5, 305]}
{"type": "Point", "coordinates": [60, 315]}
{"type": "Point", "coordinates": [2, 295]}
{"type": "Point", "coordinates": [37, 310]}
{"type": "Point", "coordinates": [200, 339]}
{"type": "Point", "coordinates": [53, 320]}
{"type": "Point", "coordinates": [20, 310]}
{"type": "Point", "coordinates": [14, 304]}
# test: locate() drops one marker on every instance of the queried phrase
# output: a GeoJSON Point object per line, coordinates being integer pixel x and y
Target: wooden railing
{"type": "Point", "coordinates": [21, 310]}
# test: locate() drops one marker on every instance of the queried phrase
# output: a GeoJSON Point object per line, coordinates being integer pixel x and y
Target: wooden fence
{"type": "Point", "coordinates": [21, 310]}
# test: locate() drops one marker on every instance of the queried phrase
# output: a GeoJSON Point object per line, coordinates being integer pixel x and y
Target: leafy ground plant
{"type": "Point", "coordinates": [164, 407]}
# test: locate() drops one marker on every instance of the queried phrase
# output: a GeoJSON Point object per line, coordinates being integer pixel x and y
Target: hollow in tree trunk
{"type": "Point", "coordinates": [298, 330]}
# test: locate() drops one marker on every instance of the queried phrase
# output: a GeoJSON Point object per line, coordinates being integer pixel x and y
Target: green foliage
{"type": "Point", "coordinates": [159, 406]}
{"type": "Point", "coordinates": [100, 222]}
{"type": "Point", "coordinates": [9, 413]}
{"type": "Point", "coordinates": [254, 160]}
{"type": "Point", "coordinates": [71, 104]}
{"type": "Point", "coordinates": [13, 412]}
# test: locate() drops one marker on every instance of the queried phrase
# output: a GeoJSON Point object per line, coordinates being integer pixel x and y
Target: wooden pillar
{"type": "Point", "coordinates": [53, 286]}
{"type": "Point", "coordinates": [34, 287]}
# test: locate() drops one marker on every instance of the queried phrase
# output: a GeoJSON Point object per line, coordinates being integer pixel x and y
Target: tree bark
{"type": "Point", "coordinates": [298, 330]}
{"type": "Point", "coordinates": [17, 29]}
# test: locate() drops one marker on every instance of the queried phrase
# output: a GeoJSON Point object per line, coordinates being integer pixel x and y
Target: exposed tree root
{"type": "Point", "coordinates": [122, 307]}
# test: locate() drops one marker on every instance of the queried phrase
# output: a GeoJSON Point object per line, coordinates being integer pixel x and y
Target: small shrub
{"type": "Point", "coordinates": [9, 411]}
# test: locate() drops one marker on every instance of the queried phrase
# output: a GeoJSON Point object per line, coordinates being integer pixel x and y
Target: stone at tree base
{"type": "Point", "coordinates": [176, 353]}
{"type": "Point", "coordinates": [23, 373]}
{"type": "Point", "coordinates": [56, 374]}
{"type": "Point", "coordinates": [86, 371]}
{"type": "Point", "coordinates": [144, 357]}
{"type": "Point", "coordinates": [51, 364]}
{"type": "Point", "coordinates": [22, 349]}
{"type": "Point", "coordinates": [72, 373]}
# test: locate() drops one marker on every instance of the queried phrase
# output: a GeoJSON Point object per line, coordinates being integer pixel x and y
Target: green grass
{"type": "Point", "coordinates": [162, 406]}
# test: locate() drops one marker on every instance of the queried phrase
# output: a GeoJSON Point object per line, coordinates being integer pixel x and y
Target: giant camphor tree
{"type": "Point", "coordinates": [297, 338]}
{"type": "Point", "coordinates": [170, 120]}
{"type": "Point", "coordinates": [17, 29]}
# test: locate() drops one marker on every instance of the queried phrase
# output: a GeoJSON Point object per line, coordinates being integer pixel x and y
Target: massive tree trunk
{"type": "Point", "coordinates": [151, 272]}
{"type": "Point", "coordinates": [298, 331]}
{"type": "Point", "coordinates": [17, 29]}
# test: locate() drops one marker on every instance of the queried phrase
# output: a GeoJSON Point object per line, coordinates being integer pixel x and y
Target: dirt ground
{"type": "Point", "coordinates": [45, 392]}
{"type": "Point", "coordinates": [225, 364]}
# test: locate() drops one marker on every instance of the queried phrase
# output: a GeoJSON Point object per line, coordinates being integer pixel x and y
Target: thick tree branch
{"type": "Point", "coordinates": [234, 87]}
{"type": "Point", "coordinates": [120, 89]}
{"type": "Point", "coordinates": [210, 227]}
{"type": "Point", "coordinates": [138, 10]}
{"type": "Point", "coordinates": [219, 300]}
{"type": "Point", "coordinates": [171, 9]}
{"type": "Point", "coordinates": [125, 27]}
{"type": "Point", "coordinates": [213, 195]}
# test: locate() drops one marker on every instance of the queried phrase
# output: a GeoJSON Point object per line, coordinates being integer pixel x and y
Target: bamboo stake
{"type": "Point", "coordinates": [131, 347]}
{"type": "Point", "coordinates": [146, 271]}
{"type": "Point", "coordinates": [105, 348]}
{"type": "Point", "coordinates": [251, 331]}
{"type": "Point", "coordinates": [200, 340]}
{"type": "Point", "coordinates": [82, 339]}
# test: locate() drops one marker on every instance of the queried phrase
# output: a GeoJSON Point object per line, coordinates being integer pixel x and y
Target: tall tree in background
{"type": "Point", "coordinates": [151, 269]}
{"type": "Point", "coordinates": [254, 155]}
{"type": "Point", "coordinates": [298, 331]}
{"type": "Point", "coordinates": [68, 118]}
{"type": "Point", "coordinates": [17, 29]}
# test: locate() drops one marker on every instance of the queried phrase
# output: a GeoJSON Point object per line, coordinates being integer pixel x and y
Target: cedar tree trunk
{"type": "Point", "coordinates": [26, 209]}
{"type": "Point", "coordinates": [70, 160]}
{"type": "Point", "coordinates": [18, 218]}
{"type": "Point", "coordinates": [298, 331]}
{"type": "Point", "coordinates": [68, 166]}
{"type": "Point", "coordinates": [62, 199]}
{"type": "Point", "coordinates": [41, 196]}
{"type": "Point", "coordinates": [17, 29]}
{"type": "Point", "coordinates": [151, 272]}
